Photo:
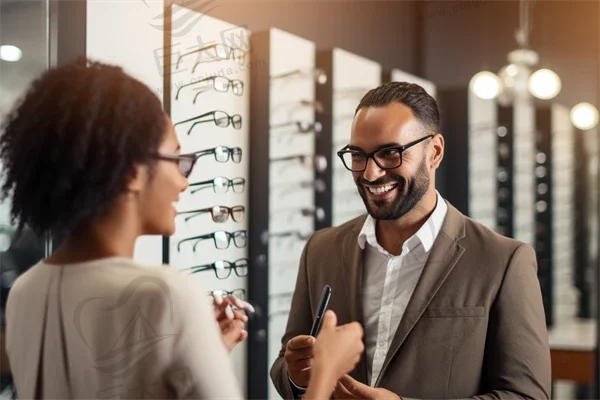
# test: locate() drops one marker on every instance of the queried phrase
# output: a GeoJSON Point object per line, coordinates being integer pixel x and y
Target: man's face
{"type": "Point", "coordinates": [391, 193]}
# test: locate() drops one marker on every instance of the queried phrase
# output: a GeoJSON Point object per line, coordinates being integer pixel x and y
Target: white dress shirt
{"type": "Point", "coordinates": [389, 281]}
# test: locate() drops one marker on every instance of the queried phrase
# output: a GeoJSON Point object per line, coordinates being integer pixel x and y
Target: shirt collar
{"type": "Point", "coordinates": [426, 235]}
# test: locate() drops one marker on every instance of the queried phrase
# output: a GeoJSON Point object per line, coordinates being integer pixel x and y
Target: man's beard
{"type": "Point", "coordinates": [407, 196]}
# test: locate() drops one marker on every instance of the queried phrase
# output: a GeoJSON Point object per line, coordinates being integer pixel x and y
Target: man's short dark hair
{"type": "Point", "coordinates": [411, 95]}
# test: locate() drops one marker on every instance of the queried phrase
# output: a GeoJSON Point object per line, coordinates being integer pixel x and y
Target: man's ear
{"type": "Point", "coordinates": [437, 153]}
{"type": "Point", "coordinates": [137, 179]}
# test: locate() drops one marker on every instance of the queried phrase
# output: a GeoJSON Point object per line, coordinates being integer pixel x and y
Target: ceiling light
{"type": "Point", "coordinates": [544, 84]}
{"type": "Point", "coordinates": [584, 116]}
{"type": "Point", "coordinates": [10, 53]}
{"type": "Point", "coordinates": [485, 84]}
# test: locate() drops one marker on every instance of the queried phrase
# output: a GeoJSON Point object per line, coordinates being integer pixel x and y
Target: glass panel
{"type": "Point", "coordinates": [24, 55]}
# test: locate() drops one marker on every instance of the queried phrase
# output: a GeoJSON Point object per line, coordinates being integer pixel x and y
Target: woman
{"type": "Point", "coordinates": [90, 154]}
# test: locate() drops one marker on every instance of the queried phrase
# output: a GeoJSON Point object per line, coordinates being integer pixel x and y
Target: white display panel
{"type": "Point", "coordinates": [483, 160]}
{"type": "Point", "coordinates": [194, 94]}
{"type": "Point", "coordinates": [563, 191]}
{"type": "Point", "coordinates": [291, 197]}
{"type": "Point", "coordinates": [397, 75]}
{"type": "Point", "coordinates": [353, 76]}
{"type": "Point", "coordinates": [524, 150]}
{"type": "Point", "coordinates": [121, 33]}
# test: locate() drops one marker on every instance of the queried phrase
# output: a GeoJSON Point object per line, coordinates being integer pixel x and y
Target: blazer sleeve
{"type": "Point", "coordinates": [517, 356]}
{"type": "Point", "coordinates": [200, 365]}
{"type": "Point", "coordinates": [299, 323]}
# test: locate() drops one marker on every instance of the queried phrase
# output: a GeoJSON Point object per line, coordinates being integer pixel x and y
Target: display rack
{"type": "Point", "coordinates": [282, 207]}
{"type": "Point", "coordinates": [208, 90]}
{"type": "Point", "coordinates": [351, 77]}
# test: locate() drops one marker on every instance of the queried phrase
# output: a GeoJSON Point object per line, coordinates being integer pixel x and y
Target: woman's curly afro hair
{"type": "Point", "coordinates": [70, 145]}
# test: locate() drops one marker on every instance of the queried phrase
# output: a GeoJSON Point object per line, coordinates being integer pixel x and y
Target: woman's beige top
{"type": "Point", "coordinates": [113, 328]}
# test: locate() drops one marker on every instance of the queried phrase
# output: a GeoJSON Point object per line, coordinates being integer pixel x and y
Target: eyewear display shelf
{"type": "Point", "coordinates": [207, 94]}
{"type": "Point", "coordinates": [282, 172]}
{"type": "Point", "coordinates": [341, 95]}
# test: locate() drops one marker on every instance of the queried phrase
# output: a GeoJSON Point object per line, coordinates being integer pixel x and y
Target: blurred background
{"type": "Point", "coordinates": [518, 84]}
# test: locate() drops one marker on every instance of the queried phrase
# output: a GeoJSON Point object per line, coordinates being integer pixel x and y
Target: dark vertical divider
{"type": "Point", "coordinates": [543, 218]}
{"type": "Point", "coordinates": [324, 141]}
{"type": "Point", "coordinates": [167, 94]}
{"type": "Point", "coordinates": [258, 218]}
{"type": "Point", "coordinates": [581, 243]}
{"type": "Point", "coordinates": [505, 175]}
{"type": "Point", "coordinates": [452, 177]}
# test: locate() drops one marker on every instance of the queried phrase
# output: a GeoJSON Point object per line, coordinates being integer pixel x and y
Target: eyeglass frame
{"type": "Point", "coordinates": [200, 90]}
{"type": "Point", "coordinates": [230, 235]}
{"type": "Point", "coordinates": [230, 153]}
{"type": "Point", "coordinates": [400, 148]}
{"type": "Point", "coordinates": [211, 182]}
{"type": "Point", "coordinates": [229, 266]}
{"type": "Point", "coordinates": [206, 48]}
{"type": "Point", "coordinates": [229, 117]}
{"type": "Point", "coordinates": [178, 157]}
{"type": "Point", "coordinates": [230, 84]}
{"type": "Point", "coordinates": [229, 56]}
{"type": "Point", "coordinates": [229, 210]}
{"type": "Point", "coordinates": [229, 292]}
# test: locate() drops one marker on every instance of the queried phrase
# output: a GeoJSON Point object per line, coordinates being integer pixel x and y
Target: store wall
{"type": "Point", "coordinates": [384, 31]}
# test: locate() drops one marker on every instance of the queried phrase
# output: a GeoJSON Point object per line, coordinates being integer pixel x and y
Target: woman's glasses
{"type": "Point", "coordinates": [220, 214]}
{"type": "Point", "coordinates": [186, 162]}
{"type": "Point", "coordinates": [220, 185]}
{"type": "Point", "coordinates": [223, 268]}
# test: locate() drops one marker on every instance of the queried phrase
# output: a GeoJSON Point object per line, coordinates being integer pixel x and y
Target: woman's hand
{"type": "Point", "coordinates": [231, 319]}
{"type": "Point", "coordinates": [337, 350]}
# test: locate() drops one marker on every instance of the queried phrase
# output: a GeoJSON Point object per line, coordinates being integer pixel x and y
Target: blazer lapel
{"type": "Point", "coordinates": [444, 255]}
{"type": "Point", "coordinates": [352, 265]}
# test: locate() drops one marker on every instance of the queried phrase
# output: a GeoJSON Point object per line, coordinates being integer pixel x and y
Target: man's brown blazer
{"type": "Point", "coordinates": [474, 327]}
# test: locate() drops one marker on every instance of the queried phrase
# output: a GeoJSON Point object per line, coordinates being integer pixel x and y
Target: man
{"type": "Point", "coordinates": [450, 309]}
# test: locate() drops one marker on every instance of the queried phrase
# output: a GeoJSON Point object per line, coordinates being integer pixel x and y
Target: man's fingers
{"type": "Point", "coordinates": [239, 315]}
{"type": "Point", "coordinates": [329, 319]}
{"type": "Point", "coordinates": [297, 355]}
{"type": "Point", "coordinates": [300, 342]}
{"type": "Point", "coordinates": [341, 393]}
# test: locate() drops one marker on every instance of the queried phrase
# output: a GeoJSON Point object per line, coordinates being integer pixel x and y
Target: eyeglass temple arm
{"type": "Point", "coordinates": [192, 83]}
{"type": "Point", "coordinates": [199, 122]}
{"type": "Point", "coordinates": [193, 238]}
{"type": "Point", "coordinates": [194, 118]}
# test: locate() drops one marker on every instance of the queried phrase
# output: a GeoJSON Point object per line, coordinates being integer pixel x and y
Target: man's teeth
{"type": "Point", "coordinates": [381, 189]}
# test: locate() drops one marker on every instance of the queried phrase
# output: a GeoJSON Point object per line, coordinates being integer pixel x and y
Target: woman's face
{"type": "Point", "coordinates": [162, 189]}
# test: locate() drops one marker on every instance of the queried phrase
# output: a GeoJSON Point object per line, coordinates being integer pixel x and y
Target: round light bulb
{"type": "Point", "coordinates": [544, 84]}
{"type": "Point", "coordinates": [584, 116]}
{"type": "Point", "coordinates": [485, 84]}
{"type": "Point", "coordinates": [10, 53]}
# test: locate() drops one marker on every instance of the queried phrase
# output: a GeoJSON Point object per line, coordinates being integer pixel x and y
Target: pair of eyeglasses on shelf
{"type": "Point", "coordinates": [266, 236]}
{"type": "Point", "coordinates": [286, 188]}
{"type": "Point", "coordinates": [220, 185]}
{"type": "Point", "coordinates": [222, 154]}
{"type": "Point", "coordinates": [303, 126]}
{"type": "Point", "coordinates": [216, 83]}
{"type": "Point", "coordinates": [386, 158]}
{"type": "Point", "coordinates": [219, 118]}
{"type": "Point", "coordinates": [223, 268]}
{"type": "Point", "coordinates": [316, 212]}
{"type": "Point", "coordinates": [317, 74]}
{"type": "Point", "coordinates": [294, 105]}
{"type": "Point", "coordinates": [318, 162]}
{"type": "Point", "coordinates": [239, 293]}
{"type": "Point", "coordinates": [220, 214]}
{"type": "Point", "coordinates": [215, 52]}
{"type": "Point", "coordinates": [221, 239]}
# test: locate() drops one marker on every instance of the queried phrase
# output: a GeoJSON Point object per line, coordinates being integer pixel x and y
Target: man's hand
{"type": "Point", "coordinates": [298, 358]}
{"type": "Point", "coordinates": [349, 388]}
{"type": "Point", "coordinates": [230, 319]}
